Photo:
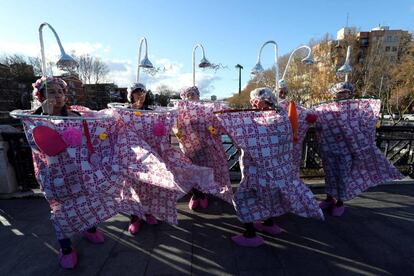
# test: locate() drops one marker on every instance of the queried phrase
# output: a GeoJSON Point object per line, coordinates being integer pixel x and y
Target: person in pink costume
{"type": "Point", "coordinates": [269, 185]}
{"type": "Point", "coordinates": [351, 160]}
{"type": "Point", "coordinates": [199, 135]}
{"type": "Point", "coordinates": [81, 192]}
{"type": "Point", "coordinates": [161, 173]}
{"type": "Point", "coordinates": [137, 96]}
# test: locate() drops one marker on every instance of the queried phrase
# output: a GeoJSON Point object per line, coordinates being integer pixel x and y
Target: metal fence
{"type": "Point", "coordinates": [396, 142]}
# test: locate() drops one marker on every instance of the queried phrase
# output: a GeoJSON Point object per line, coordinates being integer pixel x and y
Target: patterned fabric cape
{"type": "Point", "coordinates": [167, 172]}
{"type": "Point", "coordinates": [82, 193]}
{"type": "Point", "coordinates": [269, 186]}
{"type": "Point", "coordinates": [199, 135]}
{"type": "Point", "coordinates": [351, 160]}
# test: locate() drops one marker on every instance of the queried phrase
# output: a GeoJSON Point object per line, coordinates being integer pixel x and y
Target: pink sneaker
{"type": "Point", "coordinates": [204, 203]}
{"type": "Point", "coordinates": [68, 261]}
{"type": "Point", "coordinates": [248, 242]}
{"type": "Point", "coordinates": [338, 211]}
{"type": "Point", "coordinates": [134, 227]}
{"type": "Point", "coordinates": [150, 219]}
{"type": "Point", "coordinates": [273, 230]}
{"type": "Point", "coordinates": [193, 203]}
{"type": "Point", "coordinates": [96, 238]}
{"type": "Point", "coordinates": [327, 204]}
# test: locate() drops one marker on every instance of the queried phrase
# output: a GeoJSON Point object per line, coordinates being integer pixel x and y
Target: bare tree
{"type": "Point", "coordinates": [90, 69]}
{"type": "Point", "coordinates": [36, 63]}
{"type": "Point", "coordinates": [85, 68]}
{"type": "Point", "coordinates": [99, 70]}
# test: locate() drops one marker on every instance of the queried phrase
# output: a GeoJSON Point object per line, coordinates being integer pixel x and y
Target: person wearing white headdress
{"type": "Point", "coordinates": [138, 96]}
{"type": "Point", "coordinates": [198, 198]}
{"type": "Point", "coordinates": [263, 98]}
{"type": "Point", "coordinates": [139, 99]}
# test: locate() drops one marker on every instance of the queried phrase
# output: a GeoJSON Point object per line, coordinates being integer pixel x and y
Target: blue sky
{"type": "Point", "coordinates": [230, 31]}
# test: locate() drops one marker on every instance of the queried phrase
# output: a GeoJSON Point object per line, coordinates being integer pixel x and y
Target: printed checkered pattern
{"type": "Point", "coordinates": [351, 160]}
{"type": "Point", "coordinates": [303, 129]}
{"type": "Point", "coordinates": [199, 134]}
{"type": "Point", "coordinates": [269, 185]}
{"type": "Point", "coordinates": [163, 167]}
{"type": "Point", "coordinates": [82, 194]}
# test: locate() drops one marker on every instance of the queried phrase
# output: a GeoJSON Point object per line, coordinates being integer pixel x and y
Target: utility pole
{"type": "Point", "coordinates": [240, 68]}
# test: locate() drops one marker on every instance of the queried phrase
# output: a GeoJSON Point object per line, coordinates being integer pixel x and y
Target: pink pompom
{"type": "Point", "coordinates": [311, 118]}
{"type": "Point", "coordinates": [72, 136]}
{"type": "Point", "coordinates": [159, 129]}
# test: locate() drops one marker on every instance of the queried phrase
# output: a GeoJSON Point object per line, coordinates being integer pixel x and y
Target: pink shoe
{"type": "Point", "coordinates": [338, 211]}
{"type": "Point", "coordinates": [248, 242]}
{"type": "Point", "coordinates": [204, 203]}
{"type": "Point", "coordinates": [96, 238]}
{"type": "Point", "coordinates": [273, 230]}
{"type": "Point", "coordinates": [68, 261]}
{"type": "Point", "coordinates": [327, 204]}
{"type": "Point", "coordinates": [134, 227]}
{"type": "Point", "coordinates": [193, 203]}
{"type": "Point", "coordinates": [150, 219]}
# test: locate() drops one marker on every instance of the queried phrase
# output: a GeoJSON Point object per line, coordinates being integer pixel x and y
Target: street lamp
{"type": "Point", "coordinates": [258, 68]}
{"type": "Point", "coordinates": [346, 68]}
{"type": "Point", "coordinates": [145, 62]}
{"type": "Point", "coordinates": [238, 66]}
{"type": "Point", "coordinates": [204, 63]}
{"type": "Point", "coordinates": [65, 61]}
{"type": "Point", "coordinates": [307, 60]}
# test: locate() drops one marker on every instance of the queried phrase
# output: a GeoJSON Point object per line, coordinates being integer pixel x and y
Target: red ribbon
{"type": "Point", "coordinates": [88, 138]}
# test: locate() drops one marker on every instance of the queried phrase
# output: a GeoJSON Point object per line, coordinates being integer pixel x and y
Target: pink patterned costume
{"type": "Point", "coordinates": [269, 185]}
{"type": "Point", "coordinates": [161, 174]}
{"type": "Point", "coordinates": [304, 124]}
{"type": "Point", "coordinates": [199, 134]}
{"type": "Point", "coordinates": [82, 193]}
{"type": "Point", "coordinates": [351, 160]}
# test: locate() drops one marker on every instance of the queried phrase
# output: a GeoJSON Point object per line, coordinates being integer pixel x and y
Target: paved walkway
{"type": "Point", "coordinates": [374, 237]}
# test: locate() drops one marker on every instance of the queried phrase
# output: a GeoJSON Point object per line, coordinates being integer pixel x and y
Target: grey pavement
{"type": "Point", "coordinates": [373, 237]}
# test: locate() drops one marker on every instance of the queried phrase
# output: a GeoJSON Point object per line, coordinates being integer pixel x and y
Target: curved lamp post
{"type": "Point", "coordinates": [306, 60]}
{"type": "Point", "coordinates": [346, 68]}
{"type": "Point", "coordinates": [258, 68]}
{"type": "Point", "coordinates": [64, 61]}
{"type": "Point", "coordinates": [145, 62]}
{"type": "Point", "coordinates": [204, 63]}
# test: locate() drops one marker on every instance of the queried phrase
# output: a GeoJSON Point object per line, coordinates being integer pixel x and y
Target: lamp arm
{"type": "Point", "coordinates": [42, 47]}
{"type": "Point", "coordinates": [139, 54]}
{"type": "Point", "coordinates": [194, 49]}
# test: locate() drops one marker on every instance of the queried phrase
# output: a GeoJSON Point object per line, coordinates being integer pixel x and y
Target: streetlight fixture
{"type": "Point", "coordinates": [258, 68]}
{"type": "Point", "coordinates": [145, 62]}
{"type": "Point", "coordinates": [346, 68]}
{"type": "Point", "coordinates": [238, 66]}
{"type": "Point", "coordinates": [65, 60]}
{"type": "Point", "coordinates": [204, 63]}
{"type": "Point", "coordinates": [308, 60]}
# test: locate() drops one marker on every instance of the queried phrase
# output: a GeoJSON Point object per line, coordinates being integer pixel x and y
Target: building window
{"type": "Point", "coordinates": [363, 42]}
{"type": "Point", "coordinates": [394, 49]}
{"type": "Point", "coordinates": [387, 49]}
{"type": "Point", "coordinates": [388, 38]}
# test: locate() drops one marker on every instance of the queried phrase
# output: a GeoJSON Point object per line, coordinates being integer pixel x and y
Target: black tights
{"type": "Point", "coordinates": [66, 244]}
{"type": "Point", "coordinates": [250, 231]}
{"type": "Point", "coordinates": [198, 194]}
{"type": "Point", "coordinates": [339, 202]}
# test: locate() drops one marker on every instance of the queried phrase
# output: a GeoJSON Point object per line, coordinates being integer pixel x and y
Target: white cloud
{"type": "Point", "coordinates": [122, 71]}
